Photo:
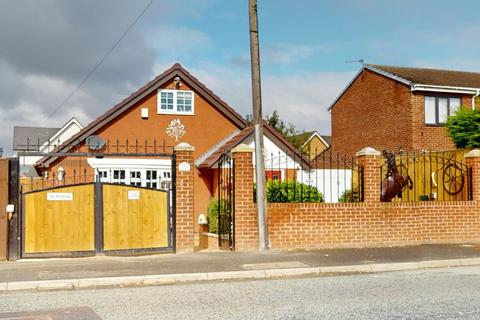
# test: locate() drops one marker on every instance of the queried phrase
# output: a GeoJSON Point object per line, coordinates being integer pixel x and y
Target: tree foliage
{"type": "Point", "coordinates": [464, 128]}
{"type": "Point", "coordinates": [287, 129]}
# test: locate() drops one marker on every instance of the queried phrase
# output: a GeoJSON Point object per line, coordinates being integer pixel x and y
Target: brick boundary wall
{"type": "Point", "coordinates": [246, 218]}
{"type": "Point", "coordinates": [184, 199]}
{"type": "Point", "coordinates": [368, 224]}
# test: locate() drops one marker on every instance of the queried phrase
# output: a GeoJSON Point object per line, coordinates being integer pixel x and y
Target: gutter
{"type": "Point", "coordinates": [447, 89]}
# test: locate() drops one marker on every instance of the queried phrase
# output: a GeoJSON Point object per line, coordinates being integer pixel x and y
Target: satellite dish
{"type": "Point", "coordinates": [95, 143]}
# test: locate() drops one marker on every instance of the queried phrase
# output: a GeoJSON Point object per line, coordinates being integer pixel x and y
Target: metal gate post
{"type": "Point", "coordinates": [14, 233]}
{"type": "Point", "coordinates": [98, 214]}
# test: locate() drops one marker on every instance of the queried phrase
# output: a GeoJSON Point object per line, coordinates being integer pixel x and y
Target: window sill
{"type": "Point", "coordinates": [434, 125]}
{"type": "Point", "coordinates": [176, 113]}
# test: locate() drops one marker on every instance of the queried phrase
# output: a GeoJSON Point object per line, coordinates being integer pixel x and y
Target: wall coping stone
{"type": "Point", "coordinates": [183, 146]}
{"type": "Point", "coordinates": [368, 151]}
{"type": "Point", "coordinates": [243, 148]}
{"type": "Point", "coordinates": [475, 153]}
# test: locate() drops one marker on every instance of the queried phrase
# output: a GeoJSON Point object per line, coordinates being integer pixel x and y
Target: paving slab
{"type": "Point", "coordinates": [209, 262]}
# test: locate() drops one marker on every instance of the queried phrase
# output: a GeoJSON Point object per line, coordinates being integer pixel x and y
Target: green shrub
{"type": "Point", "coordinates": [464, 128]}
{"type": "Point", "coordinates": [291, 191]}
{"type": "Point", "coordinates": [349, 196]}
{"type": "Point", "coordinates": [212, 212]}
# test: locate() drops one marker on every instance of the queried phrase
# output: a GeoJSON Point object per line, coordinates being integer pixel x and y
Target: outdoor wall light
{"type": "Point", "coordinates": [177, 81]}
{"type": "Point", "coordinates": [61, 173]}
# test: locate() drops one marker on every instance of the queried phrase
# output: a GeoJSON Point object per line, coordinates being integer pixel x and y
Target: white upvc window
{"type": "Point", "coordinates": [438, 109]}
{"type": "Point", "coordinates": [175, 102]}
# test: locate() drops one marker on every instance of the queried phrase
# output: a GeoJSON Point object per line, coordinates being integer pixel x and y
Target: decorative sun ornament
{"type": "Point", "coordinates": [175, 129]}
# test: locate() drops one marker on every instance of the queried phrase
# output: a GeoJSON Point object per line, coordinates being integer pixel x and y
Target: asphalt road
{"type": "Point", "coordinates": [426, 294]}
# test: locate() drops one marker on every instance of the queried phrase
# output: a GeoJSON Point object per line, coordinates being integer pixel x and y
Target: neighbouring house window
{"type": "Point", "coordinates": [118, 176]}
{"type": "Point", "coordinates": [437, 109]}
{"type": "Point", "coordinates": [175, 102]}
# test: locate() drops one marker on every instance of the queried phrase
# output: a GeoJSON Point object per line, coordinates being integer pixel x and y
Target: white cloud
{"type": "Point", "coordinates": [301, 99]}
{"type": "Point", "coordinates": [286, 53]}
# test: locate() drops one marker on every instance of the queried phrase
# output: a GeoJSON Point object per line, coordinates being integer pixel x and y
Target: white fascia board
{"type": "Point", "coordinates": [315, 133]}
{"type": "Point", "coordinates": [129, 163]}
{"type": "Point", "coordinates": [389, 75]}
{"type": "Point", "coordinates": [446, 89]}
{"type": "Point", "coordinates": [376, 70]}
{"type": "Point", "coordinates": [72, 121]}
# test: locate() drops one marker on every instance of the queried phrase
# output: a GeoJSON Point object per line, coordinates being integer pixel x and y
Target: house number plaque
{"type": "Point", "coordinates": [184, 166]}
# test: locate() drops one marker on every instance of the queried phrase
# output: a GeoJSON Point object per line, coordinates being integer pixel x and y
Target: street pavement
{"type": "Point", "coordinates": [164, 264]}
{"type": "Point", "coordinates": [421, 294]}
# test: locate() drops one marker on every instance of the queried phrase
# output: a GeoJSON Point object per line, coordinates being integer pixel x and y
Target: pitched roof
{"type": "Point", "coordinates": [436, 77]}
{"type": "Point", "coordinates": [303, 137]}
{"type": "Point", "coordinates": [130, 101]}
{"type": "Point", "coordinates": [423, 79]}
{"type": "Point", "coordinates": [237, 139]}
{"type": "Point", "coordinates": [31, 138]}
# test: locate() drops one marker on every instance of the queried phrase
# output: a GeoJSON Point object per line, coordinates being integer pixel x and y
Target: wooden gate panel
{"type": "Point", "coordinates": [59, 225]}
{"type": "Point", "coordinates": [134, 218]}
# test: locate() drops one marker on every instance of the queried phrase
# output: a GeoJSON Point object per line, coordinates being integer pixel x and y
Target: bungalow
{"type": "Point", "coordinates": [174, 107]}
{"type": "Point", "coordinates": [388, 107]}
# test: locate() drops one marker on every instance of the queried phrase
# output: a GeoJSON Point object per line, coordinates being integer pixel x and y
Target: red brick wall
{"type": "Point", "coordinates": [379, 112]}
{"type": "Point", "coordinates": [367, 224]}
{"type": "Point", "coordinates": [246, 219]}
{"type": "Point", "coordinates": [373, 112]}
{"type": "Point", "coordinates": [428, 137]}
{"type": "Point", "coordinates": [185, 203]}
{"type": "Point", "coordinates": [317, 225]}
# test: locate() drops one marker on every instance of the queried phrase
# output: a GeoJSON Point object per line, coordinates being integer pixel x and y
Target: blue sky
{"type": "Point", "coordinates": [48, 46]}
{"type": "Point", "coordinates": [309, 36]}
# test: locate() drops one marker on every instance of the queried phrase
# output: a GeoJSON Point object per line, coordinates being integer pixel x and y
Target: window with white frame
{"type": "Point", "coordinates": [175, 101]}
{"type": "Point", "coordinates": [438, 109]}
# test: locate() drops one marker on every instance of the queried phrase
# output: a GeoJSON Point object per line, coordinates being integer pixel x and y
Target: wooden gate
{"type": "Point", "coordinates": [90, 218]}
{"type": "Point", "coordinates": [135, 218]}
{"type": "Point", "coordinates": [59, 220]}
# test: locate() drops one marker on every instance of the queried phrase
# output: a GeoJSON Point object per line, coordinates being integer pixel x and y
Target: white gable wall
{"type": "Point", "coordinates": [275, 157]}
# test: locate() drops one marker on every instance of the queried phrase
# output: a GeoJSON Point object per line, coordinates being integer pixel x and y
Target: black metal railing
{"type": "Point", "coordinates": [70, 165]}
{"type": "Point", "coordinates": [327, 177]}
{"type": "Point", "coordinates": [226, 202]}
{"type": "Point", "coordinates": [100, 146]}
{"type": "Point", "coordinates": [426, 176]}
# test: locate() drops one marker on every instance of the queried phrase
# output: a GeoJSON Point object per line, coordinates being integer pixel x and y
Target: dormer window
{"type": "Point", "coordinates": [175, 102]}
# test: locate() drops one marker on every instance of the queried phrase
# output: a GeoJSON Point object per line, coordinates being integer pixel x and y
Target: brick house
{"type": "Point", "coordinates": [211, 126]}
{"type": "Point", "coordinates": [312, 143]}
{"type": "Point", "coordinates": [388, 107]}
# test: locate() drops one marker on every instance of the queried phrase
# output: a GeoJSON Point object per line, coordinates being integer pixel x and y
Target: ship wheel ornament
{"type": "Point", "coordinates": [175, 129]}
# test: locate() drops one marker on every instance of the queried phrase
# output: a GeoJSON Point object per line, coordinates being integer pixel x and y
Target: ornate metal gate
{"type": "Point", "coordinates": [115, 200]}
{"type": "Point", "coordinates": [226, 203]}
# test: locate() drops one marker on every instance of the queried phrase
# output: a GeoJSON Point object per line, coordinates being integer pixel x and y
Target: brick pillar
{"type": "Point", "coordinates": [473, 161]}
{"type": "Point", "coordinates": [246, 220]}
{"type": "Point", "coordinates": [369, 159]}
{"type": "Point", "coordinates": [184, 197]}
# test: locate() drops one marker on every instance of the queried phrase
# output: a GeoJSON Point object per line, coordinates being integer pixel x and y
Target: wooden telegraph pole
{"type": "Point", "coordinates": [258, 123]}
